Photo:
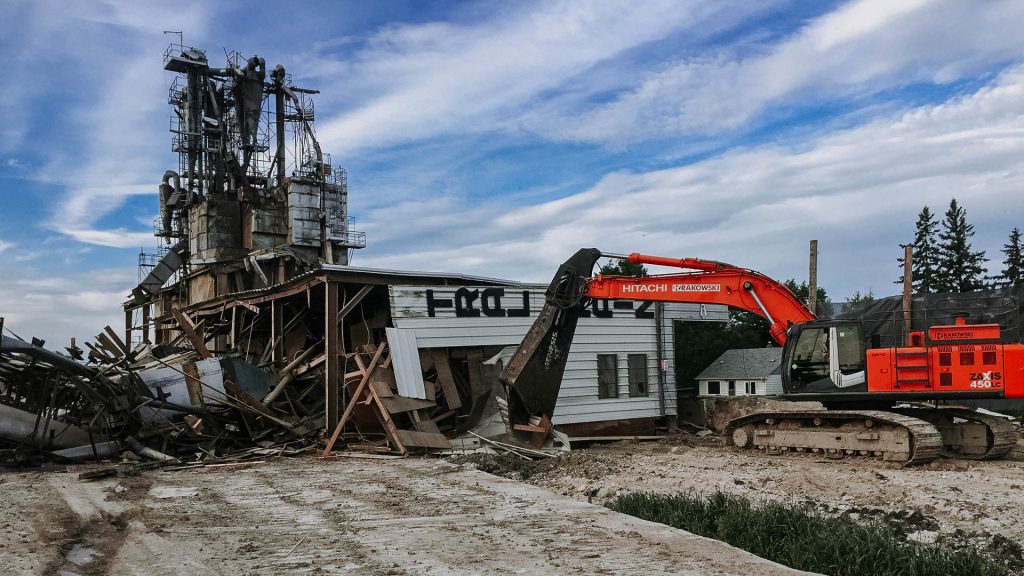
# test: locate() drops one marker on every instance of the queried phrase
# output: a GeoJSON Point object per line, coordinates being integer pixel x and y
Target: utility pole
{"type": "Point", "coordinates": [908, 286]}
{"type": "Point", "coordinates": [812, 288]}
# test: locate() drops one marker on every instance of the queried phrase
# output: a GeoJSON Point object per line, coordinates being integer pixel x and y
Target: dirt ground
{"type": "Point", "coordinates": [308, 516]}
{"type": "Point", "coordinates": [447, 516]}
{"type": "Point", "coordinates": [959, 502]}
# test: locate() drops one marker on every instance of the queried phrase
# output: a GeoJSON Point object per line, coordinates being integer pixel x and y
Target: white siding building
{"type": "Point", "coordinates": [620, 363]}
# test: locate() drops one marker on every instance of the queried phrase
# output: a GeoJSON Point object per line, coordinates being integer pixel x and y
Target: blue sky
{"type": "Point", "coordinates": [496, 138]}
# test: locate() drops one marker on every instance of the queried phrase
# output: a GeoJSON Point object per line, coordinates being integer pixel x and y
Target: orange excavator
{"type": "Point", "coordinates": [868, 392]}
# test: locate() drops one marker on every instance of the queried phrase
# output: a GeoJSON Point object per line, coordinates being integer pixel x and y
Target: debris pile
{"type": "Point", "coordinates": [178, 402]}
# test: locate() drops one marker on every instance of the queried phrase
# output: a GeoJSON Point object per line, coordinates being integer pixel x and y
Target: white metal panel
{"type": "Point", "coordinates": [211, 377]}
{"type": "Point", "coordinates": [473, 316]}
{"type": "Point", "coordinates": [405, 359]}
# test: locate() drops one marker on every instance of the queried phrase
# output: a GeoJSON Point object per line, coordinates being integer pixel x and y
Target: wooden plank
{"type": "Point", "coordinates": [427, 426]}
{"type": "Point", "coordinates": [475, 360]}
{"type": "Point", "coordinates": [445, 378]}
{"type": "Point", "coordinates": [400, 404]}
{"type": "Point", "coordinates": [189, 329]}
{"type": "Point", "coordinates": [99, 352]}
{"type": "Point", "coordinates": [117, 340]}
{"type": "Point", "coordinates": [109, 346]}
{"type": "Point", "coordinates": [383, 382]}
{"type": "Point", "coordinates": [236, 392]}
{"type": "Point", "coordinates": [195, 390]}
{"type": "Point", "coordinates": [423, 439]}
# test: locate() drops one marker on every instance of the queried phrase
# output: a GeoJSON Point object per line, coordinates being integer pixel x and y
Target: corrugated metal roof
{"type": "Point", "coordinates": [743, 363]}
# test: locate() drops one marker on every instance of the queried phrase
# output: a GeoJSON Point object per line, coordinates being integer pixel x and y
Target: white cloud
{"type": "Point", "coordinates": [5, 245]}
{"type": "Point", "coordinates": [860, 49]}
{"type": "Point", "coordinates": [106, 56]}
{"type": "Point", "coordinates": [857, 191]}
{"type": "Point", "coordinates": [424, 80]}
{"type": "Point", "coordinates": [59, 306]}
{"type": "Point", "coordinates": [565, 71]}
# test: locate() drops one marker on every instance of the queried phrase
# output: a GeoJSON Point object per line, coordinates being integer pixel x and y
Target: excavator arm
{"type": "Point", "coordinates": [533, 375]}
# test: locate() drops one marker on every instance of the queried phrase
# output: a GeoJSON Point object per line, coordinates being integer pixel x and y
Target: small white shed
{"type": "Point", "coordinates": [743, 372]}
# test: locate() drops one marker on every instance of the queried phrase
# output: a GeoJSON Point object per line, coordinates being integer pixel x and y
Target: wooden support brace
{"type": "Point", "coordinates": [363, 384]}
{"type": "Point", "coordinates": [189, 329]}
{"type": "Point", "coordinates": [354, 301]}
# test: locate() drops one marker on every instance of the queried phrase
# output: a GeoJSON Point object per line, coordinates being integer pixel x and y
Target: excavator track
{"type": "Point", "coordinates": [969, 434]}
{"type": "Point", "coordinates": [891, 436]}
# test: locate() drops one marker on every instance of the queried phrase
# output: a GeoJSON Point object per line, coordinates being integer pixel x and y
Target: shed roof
{"type": "Point", "coordinates": [743, 363]}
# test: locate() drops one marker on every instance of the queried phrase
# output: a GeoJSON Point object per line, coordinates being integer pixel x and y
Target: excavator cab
{"type": "Point", "coordinates": [824, 356]}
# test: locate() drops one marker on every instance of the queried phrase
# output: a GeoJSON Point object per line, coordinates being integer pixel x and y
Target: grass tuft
{"type": "Point", "coordinates": [804, 539]}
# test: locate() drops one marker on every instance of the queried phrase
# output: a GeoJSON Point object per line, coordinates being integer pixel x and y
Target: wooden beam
{"type": "Point", "coordinates": [354, 301]}
{"type": "Point", "coordinates": [276, 330]}
{"type": "Point", "coordinates": [192, 383]}
{"type": "Point", "coordinates": [332, 365]}
{"type": "Point", "coordinates": [394, 434]}
{"type": "Point", "coordinates": [145, 324]}
{"type": "Point", "coordinates": [445, 378]}
{"type": "Point", "coordinates": [422, 439]}
{"type": "Point", "coordinates": [812, 280]}
{"type": "Point", "coordinates": [127, 331]}
{"type": "Point", "coordinates": [189, 330]}
{"type": "Point", "coordinates": [117, 340]}
{"type": "Point", "coordinates": [908, 290]}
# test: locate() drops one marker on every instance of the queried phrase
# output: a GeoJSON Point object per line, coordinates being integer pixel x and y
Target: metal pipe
{"type": "Point", "coordinates": [750, 288]}
{"type": "Point", "coordinates": [147, 452]}
{"type": "Point", "coordinates": [287, 371]}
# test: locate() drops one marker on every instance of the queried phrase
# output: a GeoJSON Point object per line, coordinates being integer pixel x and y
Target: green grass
{"type": "Point", "coordinates": [802, 539]}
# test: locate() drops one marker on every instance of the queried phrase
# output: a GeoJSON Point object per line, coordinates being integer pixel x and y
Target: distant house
{"type": "Point", "coordinates": [743, 372]}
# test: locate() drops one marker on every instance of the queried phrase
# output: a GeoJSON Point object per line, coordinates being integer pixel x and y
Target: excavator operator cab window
{"type": "Point", "coordinates": [810, 357]}
{"type": "Point", "coordinates": [827, 357]}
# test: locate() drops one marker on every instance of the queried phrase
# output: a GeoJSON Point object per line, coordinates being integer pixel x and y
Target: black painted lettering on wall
{"type": "Point", "coordinates": [490, 302]}
{"type": "Point", "coordinates": [464, 299]}
{"type": "Point", "coordinates": [641, 311]}
{"type": "Point", "coordinates": [434, 303]}
{"type": "Point", "coordinates": [523, 312]}
{"type": "Point", "coordinates": [600, 309]}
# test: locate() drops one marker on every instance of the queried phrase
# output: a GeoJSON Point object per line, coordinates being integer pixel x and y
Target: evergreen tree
{"type": "Point", "coordinates": [859, 298]}
{"type": "Point", "coordinates": [925, 260]}
{"type": "Point", "coordinates": [960, 268]}
{"type": "Point", "coordinates": [1013, 266]}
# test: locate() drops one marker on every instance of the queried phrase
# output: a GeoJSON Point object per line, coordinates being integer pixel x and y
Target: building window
{"type": "Point", "coordinates": [751, 388]}
{"type": "Point", "coordinates": [607, 376]}
{"type": "Point", "coordinates": [714, 388]}
{"type": "Point", "coordinates": [732, 387]}
{"type": "Point", "coordinates": [636, 367]}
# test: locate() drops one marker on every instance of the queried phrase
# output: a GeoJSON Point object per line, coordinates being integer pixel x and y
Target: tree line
{"type": "Point", "coordinates": [944, 261]}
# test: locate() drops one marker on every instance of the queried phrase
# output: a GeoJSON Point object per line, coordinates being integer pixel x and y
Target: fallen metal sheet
{"type": "Point", "coordinates": [405, 359]}
{"type": "Point", "coordinates": [96, 451]}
